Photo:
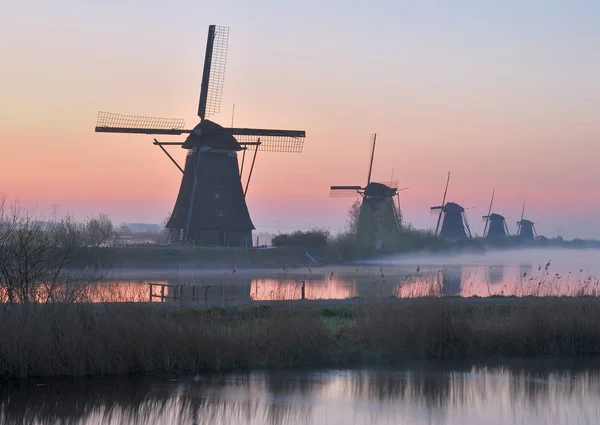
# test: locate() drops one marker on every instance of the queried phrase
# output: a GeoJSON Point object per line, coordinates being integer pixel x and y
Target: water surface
{"type": "Point", "coordinates": [428, 395]}
{"type": "Point", "coordinates": [546, 272]}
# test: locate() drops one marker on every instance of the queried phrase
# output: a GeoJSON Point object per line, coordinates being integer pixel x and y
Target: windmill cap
{"type": "Point", "coordinates": [494, 216]}
{"type": "Point", "coordinates": [208, 133]}
{"type": "Point", "coordinates": [453, 208]}
{"type": "Point", "coordinates": [379, 190]}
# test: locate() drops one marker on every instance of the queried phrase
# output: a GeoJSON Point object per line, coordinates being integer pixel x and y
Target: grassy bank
{"type": "Point", "coordinates": [173, 256]}
{"type": "Point", "coordinates": [81, 339]}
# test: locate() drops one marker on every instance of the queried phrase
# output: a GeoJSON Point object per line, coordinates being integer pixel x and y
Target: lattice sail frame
{"type": "Point", "coordinates": [272, 143]}
{"type": "Point", "coordinates": [112, 120]}
{"type": "Point", "coordinates": [217, 71]}
{"type": "Point", "coordinates": [345, 193]}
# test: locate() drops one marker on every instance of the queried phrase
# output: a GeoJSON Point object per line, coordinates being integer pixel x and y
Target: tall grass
{"type": "Point", "coordinates": [107, 339]}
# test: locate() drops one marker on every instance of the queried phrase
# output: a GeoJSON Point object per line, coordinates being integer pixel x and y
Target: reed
{"type": "Point", "coordinates": [79, 339]}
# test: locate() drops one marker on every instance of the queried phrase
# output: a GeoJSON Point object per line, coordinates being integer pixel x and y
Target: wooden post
{"type": "Point", "coordinates": [302, 294]}
{"type": "Point", "coordinates": [150, 297]}
{"type": "Point", "coordinates": [162, 293]}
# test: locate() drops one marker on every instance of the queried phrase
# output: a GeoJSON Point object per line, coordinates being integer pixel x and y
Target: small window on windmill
{"type": "Point", "coordinates": [220, 212]}
{"type": "Point", "coordinates": [216, 194]}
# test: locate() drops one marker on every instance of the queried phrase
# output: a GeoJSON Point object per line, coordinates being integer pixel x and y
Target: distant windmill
{"type": "Point", "coordinates": [376, 196]}
{"type": "Point", "coordinates": [211, 207]}
{"type": "Point", "coordinates": [454, 224]}
{"type": "Point", "coordinates": [525, 228]}
{"type": "Point", "coordinates": [496, 222]}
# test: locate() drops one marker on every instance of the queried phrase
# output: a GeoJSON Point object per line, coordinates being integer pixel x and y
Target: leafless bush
{"type": "Point", "coordinates": [35, 256]}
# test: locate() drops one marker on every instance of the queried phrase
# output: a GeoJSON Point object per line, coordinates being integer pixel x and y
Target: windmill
{"type": "Point", "coordinates": [495, 224]}
{"type": "Point", "coordinates": [454, 224]}
{"type": "Point", "coordinates": [525, 228]}
{"type": "Point", "coordinates": [211, 207]}
{"type": "Point", "coordinates": [375, 197]}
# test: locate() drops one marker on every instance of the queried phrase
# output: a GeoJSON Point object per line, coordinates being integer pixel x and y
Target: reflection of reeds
{"type": "Point", "coordinates": [567, 396]}
{"type": "Point", "coordinates": [542, 284]}
{"type": "Point", "coordinates": [292, 289]}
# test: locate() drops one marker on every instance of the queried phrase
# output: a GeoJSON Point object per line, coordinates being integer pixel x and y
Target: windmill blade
{"type": "Point", "coordinates": [437, 227]}
{"type": "Point", "coordinates": [523, 211]}
{"type": "Point", "coordinates": [109, 122]}
{"type": "Point", "coordinates": [344, 191]}
{"type": "Point", "coordinates": [488, 214]}
{"type": "Point", "coordinates": [391, 184]}
{"type": "Point", "coordinates": [271, 140]}
{"type": "Point", "coordinates": [434, 209]}
{"type": "Point", "coordinates": [213, 74]}
{"type": "Point", "coordinates": [373, 141]}
{"type": "Point", "coordinates": [467, 227]}
{"type": "Point", "coordinates": [346, 188]}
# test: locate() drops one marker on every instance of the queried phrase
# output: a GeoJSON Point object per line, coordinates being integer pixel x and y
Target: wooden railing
{"type": "Point", "coordinates": [164, 292]}
{"type": "Point", "coordinates": [178, 292]}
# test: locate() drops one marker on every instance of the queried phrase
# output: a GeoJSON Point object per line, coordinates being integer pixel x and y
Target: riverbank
{"type": "Point", "coordinates": [76, 340]}
{"type": "Point", "coordinates": [173, 257]}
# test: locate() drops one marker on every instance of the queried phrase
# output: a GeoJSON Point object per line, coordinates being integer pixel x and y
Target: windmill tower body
{"type": "Point", "coordinates": [211, 202]}
{"type": "Point", "coordinates": [378, 196]}
{"type": "Point", "coordinates": [453, 226]}
{"type": "Point", "coordinates": [378, 213]}
{"type": "Point", "coordinates": [497, 226]}
{"type": "Point", "coordinates": [453, 220]}
{"type": "Point", "coordinates": [210, 208]}
{"type": "Point", "coordinates": [526, 230]}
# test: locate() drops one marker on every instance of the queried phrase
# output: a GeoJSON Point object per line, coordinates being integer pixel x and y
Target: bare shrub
{"type": "Point", "coordinates": [36, 257]}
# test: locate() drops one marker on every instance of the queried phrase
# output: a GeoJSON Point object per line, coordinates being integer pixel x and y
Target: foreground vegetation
{"type": "Point", "coordinates": [106, 339]}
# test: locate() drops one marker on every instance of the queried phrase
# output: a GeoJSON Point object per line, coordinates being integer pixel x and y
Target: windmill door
{"type": "Point", "coordinates": [221, 237]}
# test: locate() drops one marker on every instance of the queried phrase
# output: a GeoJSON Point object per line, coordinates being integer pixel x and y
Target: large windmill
{"type": "Point", "coordinates": [376, 197]}
{"type": "Point", "coordinates": [211, 207]}
{"type": "Point", "coordinates": [495, 224]}
{"type": "Point", "coordinates": [454, 224]}
{"type": "Point", "coordinates": [525, 228]}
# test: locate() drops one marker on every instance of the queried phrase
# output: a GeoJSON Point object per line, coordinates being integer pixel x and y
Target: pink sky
{"type": "Point", "coordinates": [504, 103]}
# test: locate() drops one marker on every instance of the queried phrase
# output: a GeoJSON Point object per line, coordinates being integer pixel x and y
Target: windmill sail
{"type": "Point", "coordinates": [487, 217]}
{"type": "Point", "coordinates": [109, 122]}
{"type": "Point", "coordinates": [373, 141]}
{"type": "Point", "coordinates": [437, 227]}
{"type": "Point", "coordinates": [213, 76]}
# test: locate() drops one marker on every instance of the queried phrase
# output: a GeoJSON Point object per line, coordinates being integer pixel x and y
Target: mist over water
{"type": "Point", "coordinates": [561, 259]}
{"type": "Point", "coordinates": [541, 272]}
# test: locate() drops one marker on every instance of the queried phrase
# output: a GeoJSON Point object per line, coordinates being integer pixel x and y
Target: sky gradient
{"type": "Point", "coordinates": [504, 94]}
